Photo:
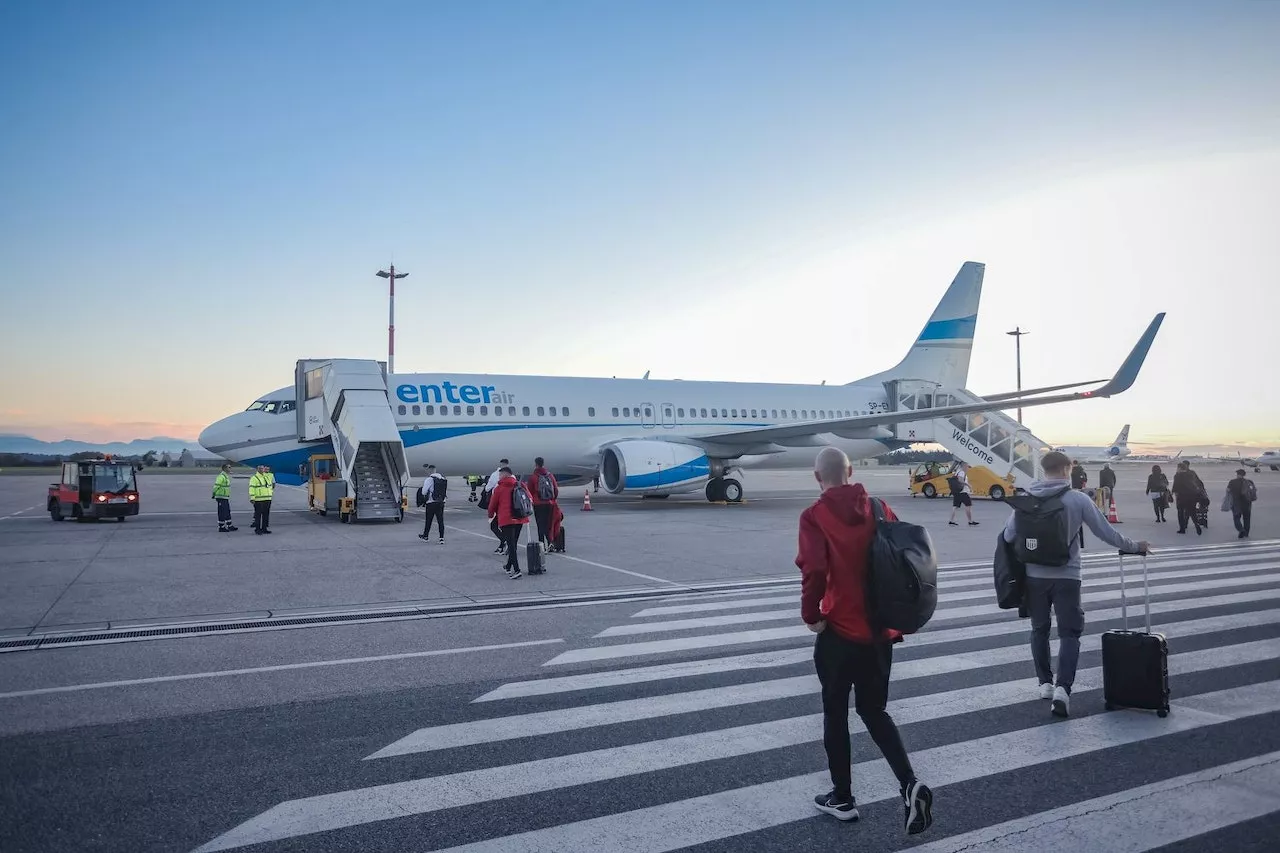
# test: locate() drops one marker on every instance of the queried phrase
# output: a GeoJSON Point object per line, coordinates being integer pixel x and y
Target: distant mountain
{"type": "Point", "coordinates": [13, 443]}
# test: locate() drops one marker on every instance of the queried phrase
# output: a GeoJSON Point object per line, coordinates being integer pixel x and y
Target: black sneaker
{"type": "Point", "coordinates": [917, 803]}
{"type": "Point", "coordinates": [841, 808]}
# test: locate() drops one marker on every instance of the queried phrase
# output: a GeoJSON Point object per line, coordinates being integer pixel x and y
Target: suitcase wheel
{"type": "Point", "coordinates": [1163, 712]}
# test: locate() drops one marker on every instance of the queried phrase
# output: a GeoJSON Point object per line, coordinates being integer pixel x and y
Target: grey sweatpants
{"type": "Point", "coordinates": [1063, 597]}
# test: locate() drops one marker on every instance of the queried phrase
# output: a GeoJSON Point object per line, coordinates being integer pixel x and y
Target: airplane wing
{"type": "Point", "coordinates": [788, 433]}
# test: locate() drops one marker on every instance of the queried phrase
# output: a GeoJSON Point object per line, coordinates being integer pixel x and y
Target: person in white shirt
{"type": "Point", "coordinates": [489, 487]}
{"type": "Point", "coordinates": [960, 494]}
{"type": "Point", "coordinates": [433, 498]}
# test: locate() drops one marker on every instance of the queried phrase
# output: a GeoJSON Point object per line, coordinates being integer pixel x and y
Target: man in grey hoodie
{"type": "Point", "coordinates": [1058, 587]}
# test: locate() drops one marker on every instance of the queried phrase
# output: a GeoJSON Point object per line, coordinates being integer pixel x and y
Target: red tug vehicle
{"type": "Point", "coordinates": [94, 488]}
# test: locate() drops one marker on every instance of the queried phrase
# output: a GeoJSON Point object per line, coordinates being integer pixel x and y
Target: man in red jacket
{"type": "Point", "coordinates": [500, 510]}
{"type": "Point", "coordinates": [545, 490]}
{"type": "Point", "coordinates": [835, 537]}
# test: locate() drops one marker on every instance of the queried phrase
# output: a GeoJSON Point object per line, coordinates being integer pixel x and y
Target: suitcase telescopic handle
{"type": "Point", "coordinates": [1146, 590]}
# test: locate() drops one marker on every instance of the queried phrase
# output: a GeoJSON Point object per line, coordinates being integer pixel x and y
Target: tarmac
{"type": "Point", "coordinates": [163, 688]}
{"type": "Point", "coordinates": [170, 565]}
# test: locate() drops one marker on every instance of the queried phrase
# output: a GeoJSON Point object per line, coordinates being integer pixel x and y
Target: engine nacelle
{"type": "Point", "coordinates": [655, 467]}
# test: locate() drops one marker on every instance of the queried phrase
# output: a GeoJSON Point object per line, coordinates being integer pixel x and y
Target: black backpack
{"type": "Point", "coordinates": [902, 575]}
{"type": "Point", "coordinates": [1041, 535]}
{"type": "Point", "coordinates": [521, 502]}
{"type": "Point", "coordinates": [954, 485]}
{"type": "Point", "coordinates": [441, 486]}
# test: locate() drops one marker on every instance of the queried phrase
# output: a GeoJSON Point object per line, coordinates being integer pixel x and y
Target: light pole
{"type": "Point", "coordinates": [1017, 337]}
{"type": "Point", "coordinates": [391, 321]}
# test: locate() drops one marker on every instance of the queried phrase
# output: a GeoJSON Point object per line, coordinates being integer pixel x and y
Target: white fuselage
{"type": "Point", "coordinates": [465, 423]}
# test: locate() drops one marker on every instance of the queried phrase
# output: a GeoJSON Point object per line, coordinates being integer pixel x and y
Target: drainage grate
{"type": "Point", "coordinates": [24, 643]}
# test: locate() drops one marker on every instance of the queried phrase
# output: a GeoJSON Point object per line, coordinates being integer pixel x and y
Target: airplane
{"type": "Point", "coordinates": [651, 437]}
{"type": "Point", "coordinates": [1118, 450]}
{"type": "Point", "coordinates": [1269, 459]}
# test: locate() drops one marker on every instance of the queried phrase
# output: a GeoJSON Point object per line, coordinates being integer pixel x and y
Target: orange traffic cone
{"type": "Point", "coordinates": [586, 501]}
{"type": "Point", "coordinates": [1112, 515]}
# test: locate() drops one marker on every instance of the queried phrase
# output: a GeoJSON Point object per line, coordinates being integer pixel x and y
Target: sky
{"type": "Point", "coordinates": [194, 196]}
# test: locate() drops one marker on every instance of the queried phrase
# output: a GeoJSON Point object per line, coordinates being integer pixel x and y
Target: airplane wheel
{"type": "Point", "coordinates": [997, 493]}
{"type": "Point", "coordinates": [732, 491]}
{"type": "Point", "coordinates": [929, 491]}
{"type": "Point", "coordinates": [715, 490]}
{"type": "Point", "coordinates": [119, 518]}
{"type": "Point", "coordinates": [1163, 712]}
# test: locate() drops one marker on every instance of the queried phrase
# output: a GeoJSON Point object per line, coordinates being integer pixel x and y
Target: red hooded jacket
{"type": "Point", "coordinates": [500, 502]}
{"type": "Point", "coordinates": [835, 536]}
{"type": "Point", "coordinates": [531, 482]}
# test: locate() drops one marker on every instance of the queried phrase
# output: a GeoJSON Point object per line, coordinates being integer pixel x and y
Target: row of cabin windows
{"type": "Point", "coordinates": [543, 411]}
{"type": "Point", "coordinates": [629, 411]}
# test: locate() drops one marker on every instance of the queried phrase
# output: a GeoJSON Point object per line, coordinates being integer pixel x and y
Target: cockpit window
{"type": "Point", "coordinates": [272, 407]}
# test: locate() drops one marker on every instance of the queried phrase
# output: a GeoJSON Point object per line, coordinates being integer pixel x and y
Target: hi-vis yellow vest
{"type": "Point", "coordinates": [261, 487]}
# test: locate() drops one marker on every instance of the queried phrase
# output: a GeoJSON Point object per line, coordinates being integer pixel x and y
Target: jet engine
{"type": "Point", "coordinates": [655, 467]}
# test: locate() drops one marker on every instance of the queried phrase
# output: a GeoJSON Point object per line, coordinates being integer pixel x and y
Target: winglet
{"type": "Point", "coordinates": [1128, 372]}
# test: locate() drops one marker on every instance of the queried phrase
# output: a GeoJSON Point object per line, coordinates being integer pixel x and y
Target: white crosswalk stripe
{"type": "Point", "coordinates": [609, 715]}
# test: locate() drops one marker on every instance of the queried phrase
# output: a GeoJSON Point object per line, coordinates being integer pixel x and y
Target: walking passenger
{"type": "Point", "coordinates": [1242, 493]}
{"type": "Point", "coordinates": [1158, 492]}
{"type": "Point", "coordinates": [1055, 583]}
{"type": "Point", "coordinates": [487, 496]}
{"type": "Point", "coordinates": [500, 506]}
{"type": "Point", "coordinates": [835, 534]}
{"type": "Point", "coordinates": [544, 488]}
{"type": "Point", "coordinates": [222, 494]}
{"type": "Point", "coordinates": [961, 496]}
{"type": "Point", "coordinates": [433, 494]}
{"type": "Point", "coordinates": [1188, 490]}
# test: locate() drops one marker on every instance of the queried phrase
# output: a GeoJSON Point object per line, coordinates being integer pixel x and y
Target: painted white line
{"type": "Point", "coordinates": [420, 796]}
{"type": "Point", "coordinates": [1136, 819]}
{"type": "Point", "coordinates": [699, 820]}
{"type": "Point", "coordinates": [629, 710]}
{"type": "Point", "coordinates": [712, 606]}
{"type": "Point", "coordinates": [1010, 624]}
{"type": "Point", "coordinates": [1109, 567]}
{"type": "Point", "coordinates": [638, 675]}
{"type": "Point", "coordinates": [161, 679]}
{"type": "Point", "coordinates": [20, 512]}
{"type": "Point", "coordinates": [793, 657]}
{"type": "Point", "coordinates": [943, 614]}
{"type": "Point", "coordinates": [490, 537]}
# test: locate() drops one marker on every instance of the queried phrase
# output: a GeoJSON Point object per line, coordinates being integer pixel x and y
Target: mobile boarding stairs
{"type": "Point", "coordinates": [345, 403]}
{"type": "Point", "coordinates": [991, 439]}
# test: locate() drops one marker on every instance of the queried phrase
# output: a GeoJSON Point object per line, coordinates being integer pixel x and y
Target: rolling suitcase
{"type": "Point", "coordinates": [533, 555]}
{"type": "Point", "coordinates": [558, 544]}
{"type": "Point", "coordinates": [1135, 664]}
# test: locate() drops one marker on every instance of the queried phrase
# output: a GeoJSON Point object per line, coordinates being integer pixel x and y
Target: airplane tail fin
{"type": "Point", "coordinates": [1122, 440]}
{"type": "Point", "coordinates": [941, 352]}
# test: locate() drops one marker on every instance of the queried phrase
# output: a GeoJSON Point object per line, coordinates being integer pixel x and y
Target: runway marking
{"type": "Point", "coordinates": [1010, 624]}
{"type": "Point", "coordinates": [942, 614]}
{"type": "Point", "coordinates": [791, 657]}
{"type": "Point", "coordinates": [20, 512]}
{"type": "Point", "coordinates": [968, 759]}
{"type": "Point", "coordinates": [699, 820]}
{"type": "Point", "coordinates": [558, 720]}
{"type": "Point", "coordinates": [161, 679]}
{"type": "Point", "coordinates": [1136, 819]}
{"type": "Point", "coordinates": [490, 537]}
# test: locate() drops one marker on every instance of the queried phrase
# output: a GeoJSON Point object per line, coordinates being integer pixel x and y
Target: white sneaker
{"type": "Point", "coordinates": [1046, 690]}
{"type": "Point", "coordinates": [1061, 702]}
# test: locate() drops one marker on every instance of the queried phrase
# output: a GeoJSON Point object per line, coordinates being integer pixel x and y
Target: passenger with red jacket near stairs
{"type": "Point", "coordinates": [544, 506]}
{"type": "Point", "coordinates": [508, 524]}
{"type": "Point", "coordinates": [835, 539]}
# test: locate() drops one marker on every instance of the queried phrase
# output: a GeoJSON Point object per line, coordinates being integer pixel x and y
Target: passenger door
{"type": "Point", "coordinates": [668, 416]}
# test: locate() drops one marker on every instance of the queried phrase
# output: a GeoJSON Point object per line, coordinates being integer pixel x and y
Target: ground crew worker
{"type": "Point", "coordinates": [261, 489]}
{"type": "Point", "coordinates": [222, 494]}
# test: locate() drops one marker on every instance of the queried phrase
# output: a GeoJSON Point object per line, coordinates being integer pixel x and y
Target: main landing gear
{"type": "Point", "coordinates": [724, 489]}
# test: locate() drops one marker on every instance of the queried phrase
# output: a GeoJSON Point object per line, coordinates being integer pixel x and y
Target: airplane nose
{"type": "Point", "coordinates": [213, 436]}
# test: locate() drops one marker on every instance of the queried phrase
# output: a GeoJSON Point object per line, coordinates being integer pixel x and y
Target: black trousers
{"type": "Point", "coordinates": [542, 515]}
{"type": "Point", "coordinates": [843, 665]}
{"type": "Point", "coordinates": [435, 511]}
{"type": "Point", "coordinates": [261, 515]}
{"type": "Point", "coordinates": [1186, 513]}
{"type": "Point", "coordinates": [1242, 517]}
{"type": "Point", "coordinates": [497, 531]}
{"type": "Point", "coordinates": [511, 537]}
{"type": "Point", "coordinates": [224, 510]}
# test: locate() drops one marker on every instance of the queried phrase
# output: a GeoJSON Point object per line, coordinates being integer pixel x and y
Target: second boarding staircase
{"type": "Point", "coordinates": [991, 439]}
{"type": "Point", "coordinates": [346, 401]}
